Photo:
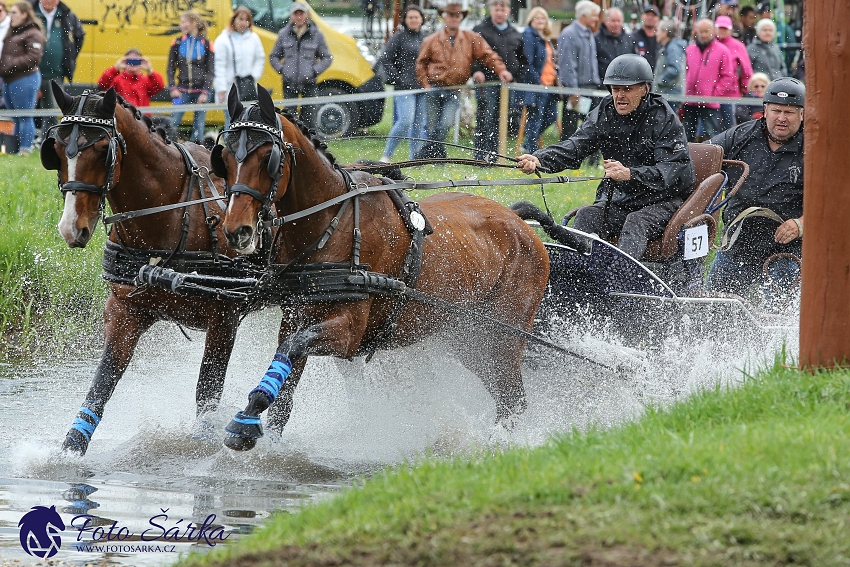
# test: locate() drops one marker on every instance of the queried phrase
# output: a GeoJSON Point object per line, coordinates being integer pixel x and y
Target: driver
{"type": "Point", "coordinates": [648, 170]}
{"type": "Point", "coordinates": [773, 192]}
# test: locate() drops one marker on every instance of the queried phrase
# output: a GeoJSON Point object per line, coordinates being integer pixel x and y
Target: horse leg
{"type": "Point", "coordinates": [245, 428]}
{"type": "Point", "coordinates": [498, 366]}
{"type": "Point", "coordinates": [122, 333]}
{"type": "Point", "coordinates": [281, 408]}
{"type": "Point", "coordinates": [221, 336]}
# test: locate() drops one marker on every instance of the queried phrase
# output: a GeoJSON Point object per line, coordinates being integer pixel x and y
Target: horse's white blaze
{"type": "Point", "coordinates": [250, 248]}
{"type": "Point", "coordinates": [69, 218]}
{"type": "Point", "coordinates": [69, 213]}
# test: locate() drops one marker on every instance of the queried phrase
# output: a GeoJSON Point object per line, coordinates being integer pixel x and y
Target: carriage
{"type": "Point", "coordinates": [342, 252]}
{"type": "Point", "coordinates": [661, 293]}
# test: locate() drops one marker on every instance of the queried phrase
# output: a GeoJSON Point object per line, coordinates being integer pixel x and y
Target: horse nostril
{"type": "Point", "coordinates": [85, 235]}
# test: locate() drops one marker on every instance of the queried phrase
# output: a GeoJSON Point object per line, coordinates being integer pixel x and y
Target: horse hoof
{"type": "Point", "coordinates": [243, 432]}
{"type": "Point", "coordinates": [75, 443]}
{"type": "Point", "coordinates": [239, 443]}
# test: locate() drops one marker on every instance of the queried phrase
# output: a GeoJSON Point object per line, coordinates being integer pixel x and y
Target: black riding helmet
{"type": "Point", "coordinates": [628, 69]}
{"type": "Point", "coordinates": [786, 90]}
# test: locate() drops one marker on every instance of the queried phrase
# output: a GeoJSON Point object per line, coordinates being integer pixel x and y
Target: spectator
{"type": "Point", "coordinates": [23, 49]}
{"type": "Point", "coordinates": [64, 35]}
{"type": "Point", "coordinates": [239, 59]}
{"type": "Point", "coordinates": [611, 39]}
{"type": "Point", "coordinates": [748, 24]}
{"type": "Point", "coordinates": [4, 27]}
{"type": "Point", "coordinates": [578, 63]}
{"type": "Point", "coordinates": [755, 89]}
{"type": "Point", "coordinates": [300, 55]}
{"type": "Point", "coordinates": [670, 63]}
{"type": "Point", "coordinates": [741, 63]}
{"type": "Point", "coordinates": [190, 72]}
{"type": "Point", "coordinates": [399, 59]}
{"type": "Point", "coordinates": [445, 60]}
{"type": "Point", "coordinates": [133, 78]}
{"type": "Point", "coordinates": [648, 170]}
{"type": "Point", "coordinates": [710, 73]}
{"type": "Point", "coordinates": [542, 107]}
{"type": "Point", "coordinates": [646, 45]}
{"type": "Point", "coordinates": [729, 8]}
{"type": "Point", "coordinates": [507, 42]}
{"type": "Point", "coordinates": [775, 143]}
{"type": "Point", "coordinates": [765, 55]}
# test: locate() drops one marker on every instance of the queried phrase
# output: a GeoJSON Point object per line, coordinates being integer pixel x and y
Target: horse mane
{"type": "Point", "coordinates": [309, 133]}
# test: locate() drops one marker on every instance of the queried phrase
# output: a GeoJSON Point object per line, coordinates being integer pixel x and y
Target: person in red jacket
{"type": "Point", "coordinates": [133, 78]}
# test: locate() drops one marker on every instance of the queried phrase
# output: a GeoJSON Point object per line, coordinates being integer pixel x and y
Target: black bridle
{"type": "Point", "coordinates": [76, 143]}
{"type": "Point", "coordinates": [240, 150]}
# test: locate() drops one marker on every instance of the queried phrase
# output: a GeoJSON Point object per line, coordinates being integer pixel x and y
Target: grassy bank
{"type": "Point", "coordinates": [757, 475]}
{"type": "Point", "coordinates": [50, 296]}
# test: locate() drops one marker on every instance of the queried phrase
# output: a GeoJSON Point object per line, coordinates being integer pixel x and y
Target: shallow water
{"type": "Point", "coordinates": [349, 419]}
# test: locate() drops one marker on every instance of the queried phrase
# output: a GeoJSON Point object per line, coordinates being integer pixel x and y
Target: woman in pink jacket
{"type": "Point", "coordinates": [710, 73]}
{"type": "Point", "coordinates": [742, 64]}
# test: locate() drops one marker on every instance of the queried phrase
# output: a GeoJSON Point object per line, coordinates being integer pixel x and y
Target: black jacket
{"type": "Point", "coordinates": [608, 47]}
{"type": "Point", "coordinates": [73, 35]}
{"type": "Point", "coordinates": [649, 140]}
{"type": "Point", "coordinates": [399, 59]}
{"type": "Point", "coordinates": [508, 44]}
{"type": "Point", "coordinates": [646, 47]}
{"type": "Point", "coordinates": [775, 180]}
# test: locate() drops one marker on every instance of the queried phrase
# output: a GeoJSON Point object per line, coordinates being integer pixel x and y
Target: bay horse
{"type": "Point", "coordinates": [106, 150]}
{"type": "Point", "coordinates": [481, 257]}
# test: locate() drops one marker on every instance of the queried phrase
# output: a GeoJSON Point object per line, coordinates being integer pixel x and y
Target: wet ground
{"type": "Point", "coordinates": [145, 470]}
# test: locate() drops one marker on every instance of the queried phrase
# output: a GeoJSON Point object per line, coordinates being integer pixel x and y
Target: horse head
{"type": "Point", "coordinates": [86, 150]}
{"type": "Point", "coordinates": [251, 161]}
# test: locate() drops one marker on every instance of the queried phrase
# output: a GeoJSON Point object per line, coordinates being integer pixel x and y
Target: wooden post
{"type": "Point", "coordinates": [825, 306]}
{"type": "Point", "coordinates": [504, 103]}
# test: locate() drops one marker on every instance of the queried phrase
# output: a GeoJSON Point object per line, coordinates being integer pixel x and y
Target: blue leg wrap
{"type": "Point", "coordinates": [274, 378]}
{"type": "Point", "coordinates": [86, 422]}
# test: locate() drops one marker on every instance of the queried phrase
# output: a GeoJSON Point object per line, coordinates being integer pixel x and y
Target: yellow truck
{"type": "Point", "coordinates": [114, 26]}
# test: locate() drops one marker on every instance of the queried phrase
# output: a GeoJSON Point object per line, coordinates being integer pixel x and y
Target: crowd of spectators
{"type": "Point", "coordinates": [718, 59]}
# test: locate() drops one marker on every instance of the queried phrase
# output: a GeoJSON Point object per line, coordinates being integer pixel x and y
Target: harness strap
{"type": "Point", "coordinates": [737, 224]}
{"type": "Point", "coordinates": [410, 270]}
{"type": "Point", "coordinates": [414, 185]}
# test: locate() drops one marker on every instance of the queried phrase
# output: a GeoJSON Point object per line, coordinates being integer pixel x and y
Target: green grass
{"type": "Point", "coordinates": [754, 475]}
{"type": "Point", "coordinates": [50, 296]}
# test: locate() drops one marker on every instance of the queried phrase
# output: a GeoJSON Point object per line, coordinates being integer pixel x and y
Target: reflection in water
{"type": "Point", "coordinates": [78, 496]}
{"type": "Point", "coordinates": [349, 419]}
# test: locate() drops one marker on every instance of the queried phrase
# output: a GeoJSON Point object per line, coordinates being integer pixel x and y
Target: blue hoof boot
{"type": "Point", "coordinates": [243, 432]}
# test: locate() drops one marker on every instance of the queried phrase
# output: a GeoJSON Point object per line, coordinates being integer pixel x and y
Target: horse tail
{"type": "Point", "coordinates": [527, 211]}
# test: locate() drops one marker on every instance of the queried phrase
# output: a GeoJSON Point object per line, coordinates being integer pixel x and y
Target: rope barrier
{"type": "Point", "coordinates": [357, 97]}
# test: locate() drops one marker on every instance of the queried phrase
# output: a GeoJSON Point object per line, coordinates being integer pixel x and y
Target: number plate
{"type": "Point", "coordinates": [696, 242]}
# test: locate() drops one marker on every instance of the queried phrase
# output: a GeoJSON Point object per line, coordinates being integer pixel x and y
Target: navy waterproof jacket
{"type": "Point", "coordinates": [650, 141]}
{"type": "Point", "coordinates": [775, 182]}
{"type": "Point", "coordinates": [776, 178]}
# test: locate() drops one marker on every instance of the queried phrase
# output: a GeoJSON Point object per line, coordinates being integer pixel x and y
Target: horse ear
{"type": "Point", "coordinates": [234, 106]}
{"type": "Point", "coordinates": [267, 110]}
{"type": "Point", "coordinates": [63, 99]}
{"type": "Point", "coordinates": [106, 105]}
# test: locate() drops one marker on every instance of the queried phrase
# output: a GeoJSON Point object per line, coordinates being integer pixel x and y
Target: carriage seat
{"type": "Point", "coordinates": [708, 160]}
{"type": "Point", "coordinates": [708, 169]}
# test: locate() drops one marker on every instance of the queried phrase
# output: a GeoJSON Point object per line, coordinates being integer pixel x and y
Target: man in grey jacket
{"type": "Point", "coordinates": [578, 66]}
{"type": "Point", "coordinates": [300, 55]}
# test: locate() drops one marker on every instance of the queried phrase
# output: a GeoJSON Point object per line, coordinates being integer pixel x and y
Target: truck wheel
{"type": "Point", "coordinates": [335, 119]}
